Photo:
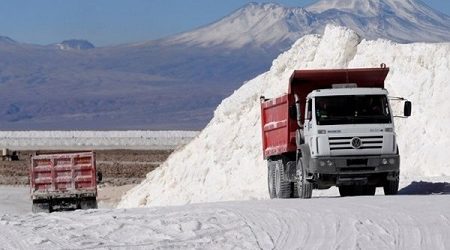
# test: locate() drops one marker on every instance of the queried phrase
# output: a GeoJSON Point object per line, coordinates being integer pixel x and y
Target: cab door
{"type": "Point", "coordinates": [308, 125]}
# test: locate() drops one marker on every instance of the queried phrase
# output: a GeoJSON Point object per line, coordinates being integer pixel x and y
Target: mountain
{"type": "Point", "coordinates": [75, 44]}
{"type": "Point", "coordinates": [176, 82]}
{"type": "Point", "coordinates": [6, 40]}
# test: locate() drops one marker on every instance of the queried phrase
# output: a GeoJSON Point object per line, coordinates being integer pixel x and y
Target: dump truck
{"type": "Point", "coordinates": [63, 181]}
{"type": "Point", "coordinates": [334, 127]}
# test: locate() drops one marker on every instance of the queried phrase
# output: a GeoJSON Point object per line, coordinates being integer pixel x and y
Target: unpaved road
{"type": "Point", "coordinates": [380, 222]}
{"type": "Point", "coordinates": [14, 200]}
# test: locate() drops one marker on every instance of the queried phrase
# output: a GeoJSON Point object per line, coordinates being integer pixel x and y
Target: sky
{"type": "Point", "coordinates": [111, 22]}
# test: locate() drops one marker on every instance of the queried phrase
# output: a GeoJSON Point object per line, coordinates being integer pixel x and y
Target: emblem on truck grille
{"type": "Point", "coordinates": [356, 143]}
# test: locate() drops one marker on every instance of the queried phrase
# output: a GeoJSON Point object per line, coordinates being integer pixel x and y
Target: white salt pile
{"type": "Point", "coordinates": [225, 161]}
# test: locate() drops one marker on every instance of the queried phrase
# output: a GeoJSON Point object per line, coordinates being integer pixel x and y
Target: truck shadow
{"type": "Point", "coordinates": [425, 188]}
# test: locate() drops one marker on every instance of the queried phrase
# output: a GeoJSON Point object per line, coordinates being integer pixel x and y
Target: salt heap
{"type": "Point", "coordinates": [225, 161]}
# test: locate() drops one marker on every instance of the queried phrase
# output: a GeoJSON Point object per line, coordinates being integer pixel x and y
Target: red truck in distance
{"type": "Point", "coordinates": [63, 181]}
{"type": "Point", "coordinates": [334, 127]}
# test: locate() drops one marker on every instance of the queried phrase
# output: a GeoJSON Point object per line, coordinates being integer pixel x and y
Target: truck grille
{"type": "Point", "coordinates": [367, 142]}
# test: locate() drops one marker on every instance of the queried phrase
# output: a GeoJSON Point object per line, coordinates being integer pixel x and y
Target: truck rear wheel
{"type": "Point", "coordinates": [271, 179]}
{"type": "Point", "coordinates": [88, 203]}
{"type": "Point", "coordinates": [294, 193]}
{"type": "Point", "coordinates": [390, 187]}
{"type": "Point", "coordinates": [40, 207]}
{"type": "Point", "coordinates": [304, 187]}
{"type": "Point", "coordinates": [282, 185]}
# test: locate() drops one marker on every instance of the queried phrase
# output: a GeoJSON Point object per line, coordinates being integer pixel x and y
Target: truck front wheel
{"type": "Point", "coordinates": [282, 186]}
{"type": "Point", "coordinates": [304, 187]}
{"type": "Point", "coordinates": [390, 187]}
{"type": "Point", "coordinates": [271, 179]}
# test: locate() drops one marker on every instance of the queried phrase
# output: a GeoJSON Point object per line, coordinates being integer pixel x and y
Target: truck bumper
{"type": "Point", "coordinates": [354, 170]}
{"type": "Point", "coordinates": [355, 165]}
{"type": "Point", "coordinates": [63, 195]}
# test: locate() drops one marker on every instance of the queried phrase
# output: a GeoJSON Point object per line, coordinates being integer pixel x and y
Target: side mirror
{"type": "Point", "coordinates": [293, 112]}
{"type": "Point", "coordinates": [309, 116]}
{"type": "Point", "coordinates": [407, 109]}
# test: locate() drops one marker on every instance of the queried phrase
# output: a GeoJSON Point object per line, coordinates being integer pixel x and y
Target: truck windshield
{"type": "Point", "coordinates": [352, 109]}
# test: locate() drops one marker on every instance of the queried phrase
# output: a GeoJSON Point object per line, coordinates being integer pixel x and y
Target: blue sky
{"type": "Point", "coordinates": [109, 22]}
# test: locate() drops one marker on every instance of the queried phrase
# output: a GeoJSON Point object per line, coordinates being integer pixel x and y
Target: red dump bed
{"type": "Point", "coordinates": [64, 175]}
{"type": "Point", "coordinates": [278, 130]}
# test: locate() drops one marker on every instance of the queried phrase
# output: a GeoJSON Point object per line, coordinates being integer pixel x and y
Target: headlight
{"type": "Point", "coordinates": [386, 161]}
{"type": "Point", "coordinates": [328, 163]}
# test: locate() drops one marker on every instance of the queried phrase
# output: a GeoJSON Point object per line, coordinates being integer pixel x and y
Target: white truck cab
{"type": "Point", "coordinates": [349, 121]}
{"type": "Point", "coordinates": [350, 136]}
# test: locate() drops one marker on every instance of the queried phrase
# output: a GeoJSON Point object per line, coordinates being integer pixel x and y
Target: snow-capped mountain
{"type": "Point", "coordinates": [274, 26]}
{"type": "Point", "coordinates": [75, 44]}
{"type": "Point", "coordinates": [263, 25]}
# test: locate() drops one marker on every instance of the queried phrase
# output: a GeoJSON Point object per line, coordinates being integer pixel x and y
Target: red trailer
{"type": "Point", "coordinates": [63, 181]}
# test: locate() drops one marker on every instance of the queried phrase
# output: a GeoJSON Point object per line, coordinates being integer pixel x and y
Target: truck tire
{"type": "Point", "coordinates": [391, 187]}
{"type": "Point", "coordinates": [40, 207]}
{"type": "Point", "coordinates": [304, 187]}
{"type": "Point", "coordinates": [88, 203]}
{"type": "Point", "coordinates": [282, 185]}
{"type": "Point", "coordinates": [294, 193]}
{"type": "Point", "coordinates": [271, 179]}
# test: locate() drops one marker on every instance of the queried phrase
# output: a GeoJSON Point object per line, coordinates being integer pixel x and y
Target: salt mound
{"type": "Point", "coordinates": [225, 161]}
